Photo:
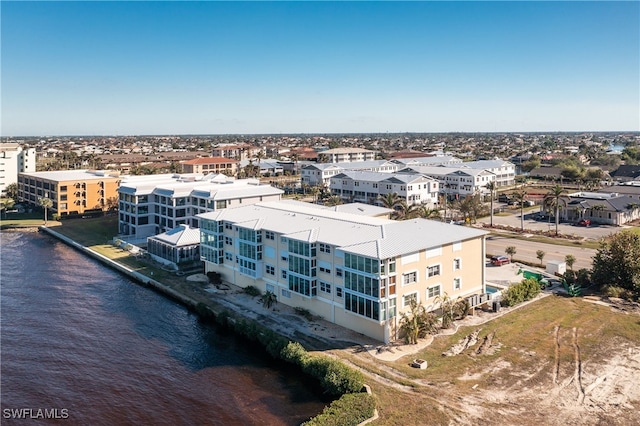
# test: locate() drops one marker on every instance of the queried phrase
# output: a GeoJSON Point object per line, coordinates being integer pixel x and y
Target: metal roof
{"type": "Point", "coordinates": [367, 236]}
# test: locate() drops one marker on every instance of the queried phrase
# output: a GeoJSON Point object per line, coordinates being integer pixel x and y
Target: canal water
{"type": "Point", "coordinates": [87, 342]}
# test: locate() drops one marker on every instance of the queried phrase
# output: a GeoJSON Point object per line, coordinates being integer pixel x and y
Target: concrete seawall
{"type": "Point", "coordinates": [143, 279]}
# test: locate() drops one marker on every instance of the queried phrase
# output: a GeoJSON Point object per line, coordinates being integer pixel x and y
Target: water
{"type": "Point", "coordinates": [80, 337]}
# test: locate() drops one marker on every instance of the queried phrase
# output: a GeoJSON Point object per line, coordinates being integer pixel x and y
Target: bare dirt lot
{"type": "Point", "coordinates": [553, 361]}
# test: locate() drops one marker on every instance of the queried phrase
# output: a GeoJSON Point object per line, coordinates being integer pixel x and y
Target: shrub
{"type": "Point", "coordinates": [214, 278]}
{"type": "Point", "coordinates": [252, 291]}
{"type": "Point", "coordinates": [350, 410]}
{"type": "Point", "coordinates": [518, 293]}
{"type": "Point", "coordinates": [304, 313]}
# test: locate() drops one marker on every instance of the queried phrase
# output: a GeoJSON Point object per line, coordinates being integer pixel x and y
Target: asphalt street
{"type": "Point", "coordinates": [526, 251]}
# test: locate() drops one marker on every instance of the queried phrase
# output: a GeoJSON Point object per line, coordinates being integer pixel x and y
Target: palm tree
{"type": "Point", "coordinates": [406, 211]}
{"type": "Point", "coordinates": [446, 306]}
{"type": "Point", "coordinates": [570, 260]}
{"type": "Point", "coordinates": [390, 200]}
{"type": "Point", "coordinates": [46, 203]}
{"type": "Point", "coordinates": [554, 198]}
{"type": "Point", "coordinates": [417, 322]}
{"type": "Point", "coordinates": [428, 213]}
{"type": "Point", "coordinates": [314, 191]}
{"type": "Point", "coordinates": [540, 255]}
{"type": "Point", "coordinates": [491, 186]}
{"type": "Point", "coordinates": [511, 251]}
{"type": "Point", "coordinates": [597, 208]}
{"type": "Point", "coordinates": [269, 299]}
{"type": "Point", "coordinates": [333, 200]}
{"type": "Point", "coordinates": [521, 197]}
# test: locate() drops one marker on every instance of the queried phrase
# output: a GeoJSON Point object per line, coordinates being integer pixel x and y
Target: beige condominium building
{"type": "Point", "coordinates": [356, 271]}
{"type": "Point", "coordinates": [73, 192]}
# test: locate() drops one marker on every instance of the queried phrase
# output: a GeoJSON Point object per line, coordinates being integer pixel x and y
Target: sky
{"type": "Point", "coordinates": [157, 68]}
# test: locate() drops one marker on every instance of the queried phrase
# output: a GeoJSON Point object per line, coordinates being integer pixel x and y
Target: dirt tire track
{"type": "Point", "coordinates": [556, 369]}
{"type": "Point", "coordinates": [578, 366]}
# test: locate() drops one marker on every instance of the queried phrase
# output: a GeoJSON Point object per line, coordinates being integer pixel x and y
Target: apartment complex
{"type": "Point", "coordinates": [356, 271]}
{"type": "Point", "coordinates": [13, 160]}
{"type": "Point", "coordinates": [206, 165]}
{"type": "Point", "coordinates": [320, 174]}
{"type": "Point", "coordinates": [73, 192]}
{"type": "Point", "coordinates": [150, 205]}
{"type": "Point", "coordinates": [455, 182]}
{"type": "Point", "coordinates": [367, 186]}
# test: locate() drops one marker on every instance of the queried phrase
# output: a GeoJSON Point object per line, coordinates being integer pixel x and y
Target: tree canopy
{"type": "Point", "coordinates": [617, 262]}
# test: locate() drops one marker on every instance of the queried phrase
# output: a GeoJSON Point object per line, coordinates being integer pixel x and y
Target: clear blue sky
{"type": "Point", "coordinates": [98, 68]}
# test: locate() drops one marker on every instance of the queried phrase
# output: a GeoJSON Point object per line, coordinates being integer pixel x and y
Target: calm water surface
{"type": "Point", "coordinates": [78, 336]}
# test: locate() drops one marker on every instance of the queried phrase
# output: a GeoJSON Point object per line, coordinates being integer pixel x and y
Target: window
{"type": "Point", "coordinates": [433, 291]}
{"type": "Point", "coordinates": [457, 283]}
{"type": "Point", "coordinates": [270, 269]}
{"type": "Point", "coordinates": [228, 241]}
{"type": "Point", "coordinates": [325, 270]}
{"type": "Point", "coordinates": [411, 277]}
{"type": "Point", "coordinates": [286, 293]}
{"type": "Point", "coordinates": [325, 248]}
{"type": "Point", "coordinates": [406, 300]}
{"type": "Point", "coordinates": [338, 291]}
{"type": "Point", "coordinates": [269, 235]}
{"type": "Point", "coordinates": [434, 270]}
{"type": "Point", "coordinates": [326, 287]}
{"type": "Point", "coordinates": [338, 272]}
{"type": "Point", "coordinates": [228, 256]}
{"type": "Point", "coordinates": [283, 273]}
{"type": "Point", "coordinates": [457, 264]}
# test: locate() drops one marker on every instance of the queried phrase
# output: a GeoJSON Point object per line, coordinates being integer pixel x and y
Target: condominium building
{"type": "Point", "coordinates": [355, 271]}
{"type": "Point", "coordinates": [13, 160]}
{"type": "Point", "coordinates": [206, 165]}
{"type": "Point", "coordinates": [346, 155]}
{"type": "Point", "coordinates": [367, 186]}
{"type": "Point", "coordinates": [73, 192]}
{"type": "Point", "coordinates": [150, 205]}
{"type": "Point", "coordinates": [320, 174]}
{"type": "Point", "coordinates": [455, 182]}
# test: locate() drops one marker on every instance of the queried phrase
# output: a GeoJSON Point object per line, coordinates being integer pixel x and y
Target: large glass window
{"type": "Point", "coordinates": [362, 306]}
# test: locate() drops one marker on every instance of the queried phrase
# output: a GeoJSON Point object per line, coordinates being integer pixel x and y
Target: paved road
{"type": "Point", "coordinates": [526, 250]}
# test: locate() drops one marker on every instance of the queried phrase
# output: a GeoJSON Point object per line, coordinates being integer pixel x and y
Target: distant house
{"type": "Point", "coordinates": [626, 173]}
{"type": "Point", "coordinates": [600, 207]}
{"type": "Point", "coordinates": [178, 245]}
{"type": "Point", "coordinates": [13, 160]}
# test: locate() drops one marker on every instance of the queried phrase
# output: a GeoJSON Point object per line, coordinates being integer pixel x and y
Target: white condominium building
{"type": "Point", "coordinates": [367, 186]}
{"type": "Point", "coordinates": [346, 155]}
{"type": "Point", "coordinates": [455, 181]}
{"type": "Point", "coordinates": [320, 173]}
{"type": "Point", "coordinates": [352, 270]}
{"type": "Point", "coordinates": [150, 205]}
{"type": "Point", "coordinates": [13, 160]}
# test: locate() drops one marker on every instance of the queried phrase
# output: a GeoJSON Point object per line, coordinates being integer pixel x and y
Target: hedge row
{"type": "Point", "coordinates": [350, 410]}
{"type": "Point", "coordinates": [335, 378]}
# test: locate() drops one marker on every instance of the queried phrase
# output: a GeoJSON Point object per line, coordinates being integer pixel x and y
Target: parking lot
{"type": "Point", "coordinates": [512, 218]}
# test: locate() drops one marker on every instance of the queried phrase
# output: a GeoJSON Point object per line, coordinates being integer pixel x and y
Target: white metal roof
{"type": "Point", "coordinates": [367, 236]}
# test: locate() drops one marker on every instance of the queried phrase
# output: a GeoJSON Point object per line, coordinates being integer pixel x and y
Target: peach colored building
{"type": "Point", "coordinates": [354, 270]}
{"type": "Point", "coordinates": [72, 191]}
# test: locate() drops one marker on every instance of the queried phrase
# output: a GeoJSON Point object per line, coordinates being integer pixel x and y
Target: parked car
{"type": "Point", "coordinates": [499, 260]}
{"type": "Point", "coordinates": [584, 222]}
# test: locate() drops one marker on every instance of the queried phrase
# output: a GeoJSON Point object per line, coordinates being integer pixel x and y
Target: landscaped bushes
{"type": "Point", "coordinates": [518, 293]}
{"type": "Point", "coordinates": [334, 377]}
{"type": "Point", "coordinates": [350, 410]}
